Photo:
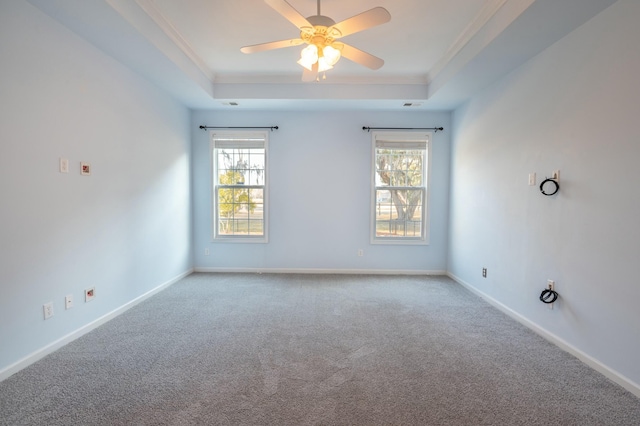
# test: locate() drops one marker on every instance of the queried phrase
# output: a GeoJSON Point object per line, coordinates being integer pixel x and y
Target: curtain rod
{"type": "Point", "coordinates": [437, 129]}
{"type": "Point", "coordinates": [272, 128]}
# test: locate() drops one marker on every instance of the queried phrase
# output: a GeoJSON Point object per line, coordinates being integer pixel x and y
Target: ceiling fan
{"type": "Point", "coordinates": [320, 34]}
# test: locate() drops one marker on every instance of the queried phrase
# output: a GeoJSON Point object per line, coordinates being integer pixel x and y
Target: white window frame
{"type": "Point", "coordinates": [401, 140]}
{"type": "Point", "coordinates": [246, 139]}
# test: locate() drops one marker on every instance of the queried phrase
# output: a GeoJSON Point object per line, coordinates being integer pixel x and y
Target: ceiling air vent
{"type": "Point", "coordinates": [412, 104]}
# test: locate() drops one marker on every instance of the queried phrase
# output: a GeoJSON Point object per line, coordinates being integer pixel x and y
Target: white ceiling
{"type": "Point", "coordinates": [220, 28]}
{"type": "Point", "coordinates": [437, 52]}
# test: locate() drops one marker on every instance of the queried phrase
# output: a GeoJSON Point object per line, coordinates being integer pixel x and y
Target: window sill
{"type": "Point", "coordinates": [243, 240]}
{"type": "Point", "coordinates": [400, 242]}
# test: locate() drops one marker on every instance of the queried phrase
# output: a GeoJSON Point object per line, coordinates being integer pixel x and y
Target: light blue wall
{"type": "Point", "coordinates": [320, 173]}
{"type": "Point", "coordinates": [126, 229]}
{"type": "Point", "coordinates": [574, 107]}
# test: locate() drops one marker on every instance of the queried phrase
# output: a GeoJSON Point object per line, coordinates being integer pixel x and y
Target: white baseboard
{"type": "Point", "coordinates": [601, 368]}
{"type": "Point", "coordinates": [52, 347]}
{"type": "Point", "coordinates": [322, 271]}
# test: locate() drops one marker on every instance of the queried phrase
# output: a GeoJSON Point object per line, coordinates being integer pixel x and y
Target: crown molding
{"type": "Point", "coordinates": [331, 79]}
{"type": "Point", "coordinates": [150, 8]}
{"type": "Point", "coordinates": [487, 12]}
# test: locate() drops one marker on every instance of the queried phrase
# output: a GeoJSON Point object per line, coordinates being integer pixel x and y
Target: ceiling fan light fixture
{"type": "Point", "coordinates": [326, 57]}
{"type": "Point", "coordinates": [323, 64]}
{"type": "Point", "coordinates": [308, 56]}
{"type": "Point", "coordinates": [331, 55]}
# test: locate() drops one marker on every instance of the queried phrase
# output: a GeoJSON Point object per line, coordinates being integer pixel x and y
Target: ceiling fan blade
{"type": "Point", "coordinates": [362, 58]}
{"type": "Point", "coordinates": [312, 75]}
{"type": "Point", "coordinates": [363, 21]}
{"type": "Point", "coordinates": [288, 11]}
{"type": "Point", "coordinates": [272, 45]}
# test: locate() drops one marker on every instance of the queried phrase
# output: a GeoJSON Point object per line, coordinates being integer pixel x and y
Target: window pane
{"type": "Point", "coordinates": [399, 167]}
{"type": "Point", "coordinates": [240, 226]}
{"type": "Point", "coordinates": [256, 227]}
{"type": "Point", "coordinates": [240, 211]}
{"type": "Point", "coordinates": [414, 178]}
{"type": "Point", "coordinates": [238, 166]}
{"type": "Point", "coordinates": [398, 178]}
{"type": "Point", "coordinates": [256, 177]}
{"type": "Point", "coordinates": [398, 212]}
{"type": "Point", "coordinates": [256, 212]}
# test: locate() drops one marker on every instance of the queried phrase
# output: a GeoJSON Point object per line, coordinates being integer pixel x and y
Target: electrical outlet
{"type": "Point", "coordinates": [360, 252]}
{"type": "Point", "coordinates": [532, 179]}
{"type": "Point", "coordinates": [68, 301]}
{"type": "Point", "coordinates": [48, 310]}
{"type": "Point", "coordinates": [206, 252]}
{"type": "Point", "coordinates": [89, 294]}
{"type": "Point", "coordinates": [484, 272]}
{"type": "Point", "coordinates": [551, 285]}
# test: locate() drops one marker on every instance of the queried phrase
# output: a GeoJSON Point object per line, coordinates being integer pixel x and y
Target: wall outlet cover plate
{"type": "Point", "coordinates": [47, 310]}
{"type": "Point", "coordinates": [89, 294]}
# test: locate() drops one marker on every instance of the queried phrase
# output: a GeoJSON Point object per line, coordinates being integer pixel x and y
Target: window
{"type": "Point", "coordinates": [239, 186]}
{"type": "Point", "coordinates": [399, 188]}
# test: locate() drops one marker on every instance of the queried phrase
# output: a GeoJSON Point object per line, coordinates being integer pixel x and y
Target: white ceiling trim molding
{"type": "Point", "coordinates": [493, 27]}
{"type": "Point", "coordinates": [310, 92]}
{"type": "Point", "coordinates": [122, 30]}
{"type": "Point", "coordinates": [520, 30]}
{"type": "Point", "coordinates": [487, 12]}
{"type": "Point", "coordinates": [331, 79]}
{"type": "Point", "coordinates": [149, 30]}
{"type": "Point", "coordinates": [291, 78]}
{"type": "Point", "coordinates": [150, 8]}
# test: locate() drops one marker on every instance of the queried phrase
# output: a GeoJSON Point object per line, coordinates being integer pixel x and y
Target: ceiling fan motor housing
{"type": "Point", "coordinates": [321, 20]}
{"type": "Point", "coordinates": [322, 33]}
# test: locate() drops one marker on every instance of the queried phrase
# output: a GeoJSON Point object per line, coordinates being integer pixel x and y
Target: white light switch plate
{"type": "Point", "coordinates": [64, 165]}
